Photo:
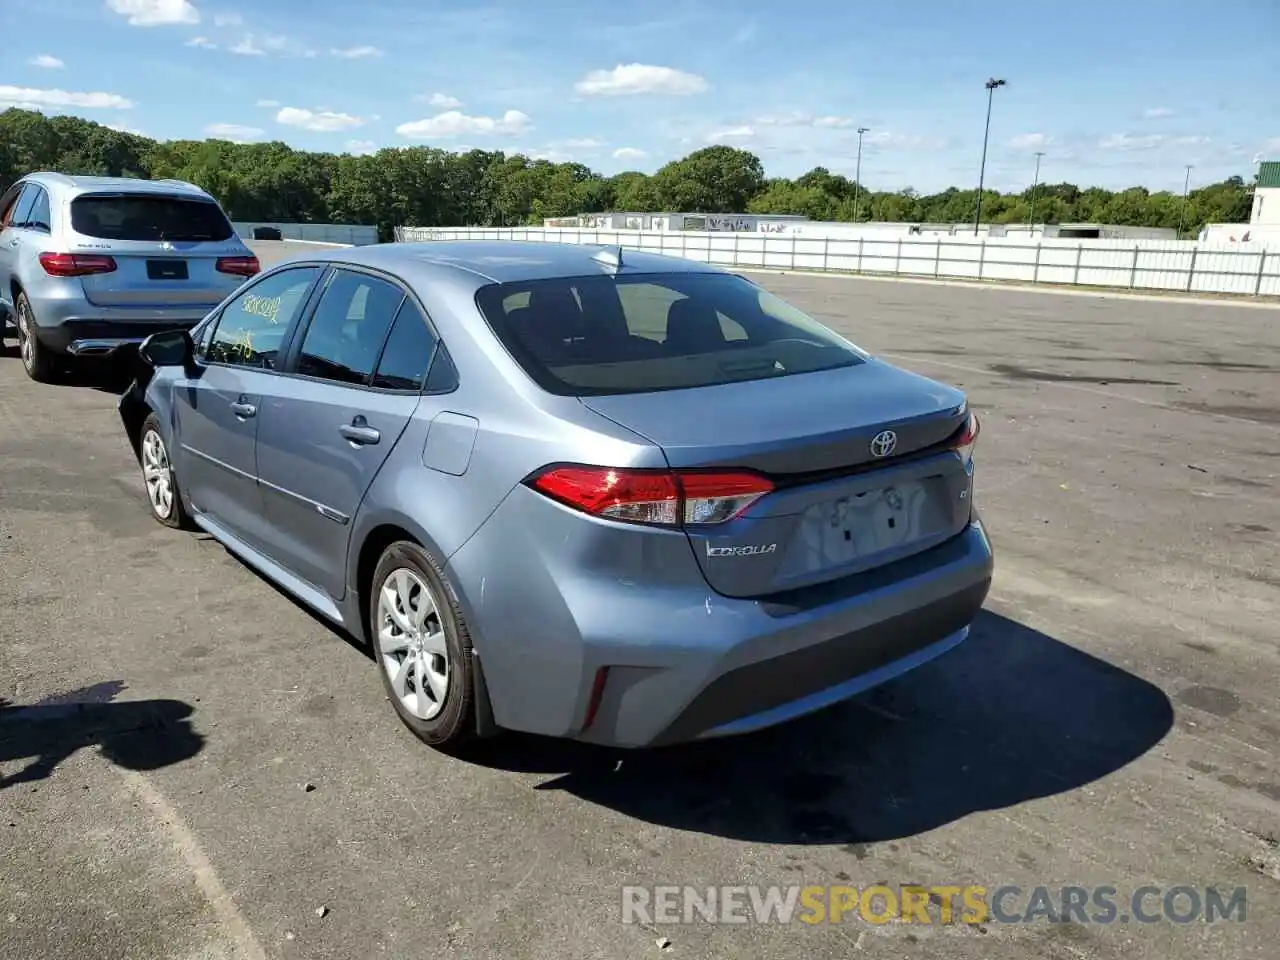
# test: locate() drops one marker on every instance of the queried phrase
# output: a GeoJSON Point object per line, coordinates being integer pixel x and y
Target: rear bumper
{"type": "Point", "coordinates": [96, 337]}
{"type": "Point", "coordinates": [684, 663]}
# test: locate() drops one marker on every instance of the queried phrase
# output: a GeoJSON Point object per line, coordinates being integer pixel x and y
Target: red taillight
{"type": "Point", "coordinates": [663, 497]}
{"type": "Point", "coordinates": [240, 266]}
{"type": "Point", "coordinates": [967, 437]}
{"type": "Point", "coordinates": [75, 264]}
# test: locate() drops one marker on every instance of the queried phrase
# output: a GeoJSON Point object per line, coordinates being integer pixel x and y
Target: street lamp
{"type": "Point", "coordinates": [857, 176]}
{"type": "Point", "coordinates": [1182, 211]}
{"type": "Point", "coordinates": [1035, 183]}
{"type": "Point", "coordinates": [991, 89]}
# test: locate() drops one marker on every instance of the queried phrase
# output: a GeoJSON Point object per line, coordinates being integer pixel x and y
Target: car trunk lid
{"type": "Point", "coordinates": [838, 505]}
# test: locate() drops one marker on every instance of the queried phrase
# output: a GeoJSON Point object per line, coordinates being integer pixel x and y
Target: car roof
{"type": "Point", "coordinates": [85, 184]}
{"type": "Point", "coordinates": [506, 261]}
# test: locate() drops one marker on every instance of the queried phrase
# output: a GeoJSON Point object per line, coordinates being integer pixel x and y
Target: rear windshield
{"type": "Point", "coordinates": [149, 218]}
{"type": "Point", "coordinates": [588, 336]}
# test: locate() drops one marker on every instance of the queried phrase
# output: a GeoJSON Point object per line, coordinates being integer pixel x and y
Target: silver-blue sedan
{"type": "Point", "coordinates": [572, 490]}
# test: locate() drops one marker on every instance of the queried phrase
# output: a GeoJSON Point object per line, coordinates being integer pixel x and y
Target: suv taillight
{"type": "Point", "coordinates": [76, 264]}
{"type": "Point", "coordinates": [240, 266]}
{"type": "Point", "coordinates": [967, 437]}
{"type": "Point", "coordinates": [658, 497]}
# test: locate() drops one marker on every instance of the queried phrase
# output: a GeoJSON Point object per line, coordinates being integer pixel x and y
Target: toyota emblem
{"type": "Point", "coordinates": [884, 443]}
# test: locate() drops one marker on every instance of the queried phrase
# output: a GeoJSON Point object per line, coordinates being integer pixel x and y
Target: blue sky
{"type": "Point", "coordinates": [1117, 93]}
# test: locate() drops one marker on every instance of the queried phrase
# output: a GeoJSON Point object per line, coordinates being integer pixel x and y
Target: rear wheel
{"type": "Point", "coordinates": [422, 646]}
{"type": "Point", "coordinates": [158, 476]}
{"type": "Point", "coordinates": [40, 364]}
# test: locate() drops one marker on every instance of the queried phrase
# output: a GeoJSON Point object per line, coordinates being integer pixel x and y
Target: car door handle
{"type": "Point", "coordinates": [358, 431]}
{"type": "Point", "coordinates": [242, 409]}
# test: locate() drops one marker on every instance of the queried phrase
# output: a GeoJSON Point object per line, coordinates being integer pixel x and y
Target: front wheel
{"type": "Point", "coordinates": [159, 478]}
{"type": "Point", "coordinates": [422, 646]}
{"type": "Point", "coordinates": [40, 364]}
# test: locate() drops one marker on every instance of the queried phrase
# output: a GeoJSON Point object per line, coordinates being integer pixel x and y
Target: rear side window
{"type": "Point", "coordinates": [585, 336]}
{"type": "Point", "coordinates": [348, 328]}
{"type": "Point", "coordinates": [408, 353]}
{"type": "Point", "coordinates": [143, 217]}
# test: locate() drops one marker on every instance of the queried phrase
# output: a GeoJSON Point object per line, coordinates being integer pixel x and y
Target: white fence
{"type": "Point", "coordinates": [355, 234]}
{"type": "Point", "coordinates": [1183, 265]}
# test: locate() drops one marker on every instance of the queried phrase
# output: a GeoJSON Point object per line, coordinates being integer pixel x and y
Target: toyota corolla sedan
{"type": "Point", "coordinates": [576, 491]}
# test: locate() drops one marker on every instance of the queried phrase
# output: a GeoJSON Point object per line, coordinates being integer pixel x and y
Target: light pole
{"type": "Point", "coordinates": [1182, 211]}
{"type": "Point", "coordinates": [982, 172]}
{"type": "Point", "coordinates": [1035, 183]}
{"type": "Point", "coordinates": [857, 176]}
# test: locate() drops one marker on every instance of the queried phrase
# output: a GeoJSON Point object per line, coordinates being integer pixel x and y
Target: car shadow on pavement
{"type": "Point", "coordinates": [136, 734]}
{"type": "Point", "coordinates": [1008, 716]}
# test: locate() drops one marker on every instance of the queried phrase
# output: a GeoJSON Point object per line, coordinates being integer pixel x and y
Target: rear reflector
{"type": "Point", "coordinates": [661, 497]}
{"type": "Point", "coordinates": [597, 695]}
{"type": "Point", "coordinates": [240, 266]}
{"type": "Point", "coordinates": [75, 264]}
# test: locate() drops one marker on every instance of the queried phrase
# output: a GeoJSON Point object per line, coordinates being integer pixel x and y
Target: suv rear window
{"type": "Point", "coordinates": [140, 217]}
{"type": "Point", "coordinates": [599, 335]}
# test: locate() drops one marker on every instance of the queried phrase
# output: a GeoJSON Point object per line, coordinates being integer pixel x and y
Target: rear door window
{"type": "Point", "coordinates": [144, 217]}
{"type": "Point", "coordinates": [19, 211]}
{"type": "Point", "coordinates": [599, 335]}
{"type": "Point", "coordinates": [348, 328]}
{"type": "Point", "coordinates": [38, 217]}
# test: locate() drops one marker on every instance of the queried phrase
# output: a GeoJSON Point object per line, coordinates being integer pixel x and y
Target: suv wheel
{"type": "Point", "coordinates": [157, 474]}
{"type": "Point", "coordinates": [422, 646]}
{"type": "Point", "coordinates": [40, 364]}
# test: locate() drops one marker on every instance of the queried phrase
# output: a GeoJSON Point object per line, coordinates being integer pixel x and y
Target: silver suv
{"type": "Point", "coordinates": [89, 265]}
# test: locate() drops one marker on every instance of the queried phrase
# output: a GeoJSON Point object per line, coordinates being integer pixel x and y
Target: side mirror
{"type": "Point", "coordinates": [169, 348]}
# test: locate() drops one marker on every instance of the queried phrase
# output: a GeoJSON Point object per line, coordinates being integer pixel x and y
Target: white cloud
{"type": "Point", "coordinates": [229, 19]}
{"type": "Point", "coordinates": [360, 147]}
{"type": "Point", "coordinates": [1030, 141]}
{"type": "Point", "coordinates": [441, 100]}
{"type": "Point", "coordinates": [637, 78]}
{"type": "Point", "coordinates": [125, 128]}
{"type": "Point", "coordinates": [30, 98]}
{"type": "Point", "coordinates": [248, 48]}
{"type": "Point", "coordinates": [1148, 141]}
{"type": "Point", "coordinates": [1271, 147]}
{"type": "Point", "coordinates": [46, 61]}
{"type": "Point", "coordinates": [583, 143]}
{"type": "Point", "coordinates": [268, 103]}
{"type": "Point", "coordinates": [235, 132]}
{"type": "Point", "coordinates": [629, 153]}
{"type": "Point", "coordinates": [155, 13]}
{"type": "Point", "coordinates": [204, 43]}
{"type": "Point", "coordinates": [453, 123]}
{"type": "Point", "coordinates": [551, 156]}
{"type": "Point", "coordinates": [1156, 113]}
{"type": "Point", "coordinates": [322, 121]}
{"type": "Point", "coordinates": [799, 119]}
{"type": "Point", "coordinates": [895, 140]}
{"type": "Point", "coordinates": [252, 45]}
{"type": "Point", "coordinates": [356, 53]}
{"type": "Point", "coordinates": [732, 133]}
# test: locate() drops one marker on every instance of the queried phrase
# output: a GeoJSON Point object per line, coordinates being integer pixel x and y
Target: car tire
{"type": "Point", "coordinates": [159, 478]}
{"type": "Point", "coordinates": [41, 365]}
{"type": "Point", "coordinates": [437, 641]}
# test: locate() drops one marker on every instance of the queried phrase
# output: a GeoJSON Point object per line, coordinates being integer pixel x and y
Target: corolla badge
{"type": "Point", "coordinates": [884, 443]}
{"type": "Point", "coordinates": [751, 550]}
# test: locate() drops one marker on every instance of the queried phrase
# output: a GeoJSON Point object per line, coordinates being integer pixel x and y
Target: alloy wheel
{"type": "Point", "coordinates": [411, 643]}
{"type": "Point", "coordinates": [158, 474]}
{"type": "Point", "coordinates": [26, 347]}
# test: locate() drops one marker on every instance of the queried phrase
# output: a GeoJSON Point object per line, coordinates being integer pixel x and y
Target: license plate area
{"type": "Point", "coordinates": [166, 269]}
{"type": "Point", "coordinates": [862, 525]}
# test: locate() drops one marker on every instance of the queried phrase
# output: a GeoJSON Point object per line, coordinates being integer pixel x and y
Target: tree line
{"type": "Point", "coordinates": [426, 186]}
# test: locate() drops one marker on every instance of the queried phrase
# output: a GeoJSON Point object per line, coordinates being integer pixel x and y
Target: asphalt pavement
{"type": "Point", "coordinates": [193, 766]}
